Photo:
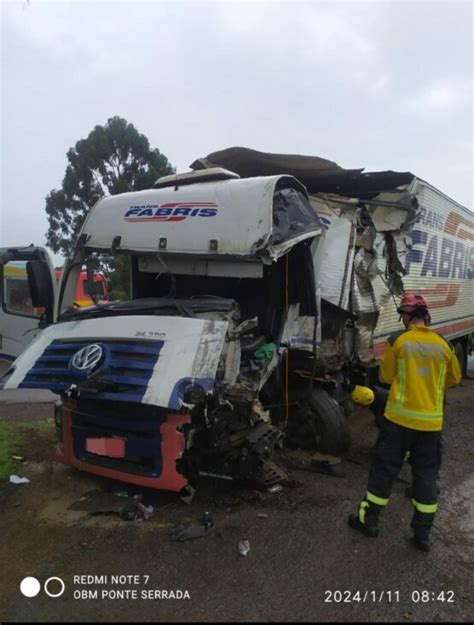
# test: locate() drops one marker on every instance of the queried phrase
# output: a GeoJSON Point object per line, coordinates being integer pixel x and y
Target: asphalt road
{"type": "Point", "coordinates": [304, 563]}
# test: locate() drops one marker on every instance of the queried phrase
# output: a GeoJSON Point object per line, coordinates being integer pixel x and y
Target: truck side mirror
{"type": "Point", "coordinates": [41, 286]}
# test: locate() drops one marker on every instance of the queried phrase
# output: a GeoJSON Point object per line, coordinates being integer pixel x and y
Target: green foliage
{"type": "Point", "coordinates": [114, 158]}
{"type": "Point", "coordinates": [7, 465]}
{"type": "Point", "coordinates": [119, 278]}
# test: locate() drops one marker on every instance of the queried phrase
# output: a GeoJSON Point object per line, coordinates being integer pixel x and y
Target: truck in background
{"type": "Point", "coordinates": [85, 295]}
{"type": "Point", "coordinates": [21, 313]}
{"type": "Point", "coordinates": [254, 301]}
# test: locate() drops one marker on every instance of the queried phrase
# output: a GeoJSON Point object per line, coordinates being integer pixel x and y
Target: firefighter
{"type": "Point", "coordinates": [419, 365]}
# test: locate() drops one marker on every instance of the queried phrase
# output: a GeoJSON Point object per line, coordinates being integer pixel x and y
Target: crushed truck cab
{"type": "Point", "coordinates": [174, 383]}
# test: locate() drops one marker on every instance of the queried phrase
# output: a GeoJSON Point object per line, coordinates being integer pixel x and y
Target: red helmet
{"type": "Point", "coordinates": [412, 302]}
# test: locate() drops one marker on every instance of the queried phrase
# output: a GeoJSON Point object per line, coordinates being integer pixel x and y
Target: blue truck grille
{"type": "Point", "coordinates": [124, 374]}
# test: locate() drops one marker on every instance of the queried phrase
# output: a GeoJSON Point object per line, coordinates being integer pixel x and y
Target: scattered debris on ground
{"type": "Point", "coordinates": [275, 489]}
{"type": "Point", "coordinates": [188, 495]}
{"type": "Point", "coordinates": [15, 479]}
{"type": "Point", "coordinates": [182, 533]}
{"type": "Point", "coordinates": [102, 503]}
{"type": "Point", "coordinates": [244, 547]}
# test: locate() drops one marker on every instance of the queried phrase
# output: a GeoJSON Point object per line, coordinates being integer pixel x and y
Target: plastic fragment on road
{"type": "Point", "coordinates": [15, 479]}
{"type": "Point", "coordinates": [188, 493]}
{"type": "Point", "coordinates": [277, 488]}
{"type": "Point", "coordinates": [244, 547]}
{"type": "Point", "coordinates": [207, 520]}
{"type": "Point", "coordinates": [182, 533]}
{"type": "Point", "coordinates": [144, 512]}
{"type": "Point", "coordinates": [130, 510]}
{"type": "Point", "coordinates": [121, 492]}
{"type": "Point", "coordinates": [135, 510]}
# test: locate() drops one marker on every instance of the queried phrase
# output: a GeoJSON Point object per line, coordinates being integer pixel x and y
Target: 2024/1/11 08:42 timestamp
{"type": "Point", "coordinates": [425, 596]}
{"type": "Point", "coordinates": [388, 596]}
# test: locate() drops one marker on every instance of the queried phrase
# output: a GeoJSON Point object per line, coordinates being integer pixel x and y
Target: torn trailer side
{"type": "Point", "coordinates": [386, 233]}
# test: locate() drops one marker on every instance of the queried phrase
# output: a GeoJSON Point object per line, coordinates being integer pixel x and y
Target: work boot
{"type": "Point", "coordinates": [422, 542]}
{"type": "Point", "coordinates": [421, 532]}
{"type": "Point", "coordinates": [369, 528]}
{"type": "Point", "coordinates": [421, 538]}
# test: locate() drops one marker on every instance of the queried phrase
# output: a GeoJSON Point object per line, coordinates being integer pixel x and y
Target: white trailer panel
{"type": "Point", "coordinates": [440, 266]}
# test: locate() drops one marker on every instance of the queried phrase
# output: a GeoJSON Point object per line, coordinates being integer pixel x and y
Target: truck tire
{"type": "Point", "coordinates": [320, 424]}
{"type": "Point", "coordinates": [460, 349]}
{"type": "Point", "coordinates": [331, 427]}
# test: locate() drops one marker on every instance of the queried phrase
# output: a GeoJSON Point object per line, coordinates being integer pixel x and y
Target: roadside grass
{"type": "Point", "coordinates": [32, 439]}
{"type": "Point", "coordinates": [7, 464]}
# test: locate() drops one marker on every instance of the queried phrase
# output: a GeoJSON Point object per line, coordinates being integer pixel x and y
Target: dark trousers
{"type": "Point", "coordinates": [393, 443]}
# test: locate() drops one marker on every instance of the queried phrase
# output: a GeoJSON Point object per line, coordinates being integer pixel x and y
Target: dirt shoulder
{"type": "Point", "coordinates": [301, 549]}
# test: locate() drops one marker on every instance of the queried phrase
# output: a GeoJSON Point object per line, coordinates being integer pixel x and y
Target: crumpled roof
{"type": "Point", "coordinates": [319, 175]}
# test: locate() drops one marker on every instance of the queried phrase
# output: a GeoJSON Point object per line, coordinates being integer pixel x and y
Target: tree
{"type": "Point", "coordinates": [119, 279]}
{"type": "Point", "coordinates": [113, 159]}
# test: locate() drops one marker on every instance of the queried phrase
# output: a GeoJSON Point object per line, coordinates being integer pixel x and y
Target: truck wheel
{"type": "Point", "coordinates": [320, 424]}
{"type": "Point", "coordinates": [331, 428]}
{"type": "Point", "coordinates": [461, 353]}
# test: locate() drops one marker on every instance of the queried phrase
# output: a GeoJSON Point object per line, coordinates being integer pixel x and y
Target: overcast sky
{"type": "Point", "coordinates": [380, 85]}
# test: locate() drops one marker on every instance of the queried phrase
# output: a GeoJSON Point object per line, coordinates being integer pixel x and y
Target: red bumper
{"type": "Point", "coordinates": [172, 448]}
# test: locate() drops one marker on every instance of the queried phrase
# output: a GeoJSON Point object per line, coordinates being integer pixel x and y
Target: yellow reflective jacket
{"type": "Point", "coordinates": [420, 365]}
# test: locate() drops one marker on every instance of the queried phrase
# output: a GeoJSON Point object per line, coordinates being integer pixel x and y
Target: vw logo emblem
{"type": "Point", "coordinates": [88, 357]}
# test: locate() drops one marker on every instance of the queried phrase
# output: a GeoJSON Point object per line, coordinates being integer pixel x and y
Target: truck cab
{"type": "Point", "coordinates": [192, 375]}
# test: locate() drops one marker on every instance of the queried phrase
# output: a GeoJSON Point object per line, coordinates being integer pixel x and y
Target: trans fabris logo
{"type": "Point", "coordinates": [170, 211]}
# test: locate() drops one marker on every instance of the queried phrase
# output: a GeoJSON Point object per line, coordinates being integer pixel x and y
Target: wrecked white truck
{"type": "Point", "coordinates": [386, 233]}
{"type": "Point", "coordinates": [245, 321]}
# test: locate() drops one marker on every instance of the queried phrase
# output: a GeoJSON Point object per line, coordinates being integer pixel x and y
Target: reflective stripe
{"type": "Point", "coordinates": [427, 508]}
{"type": "Point", "coordinates": [414, 414]}
{"type": "Point", "coordinates": [402, 380]}
{"type": "Point", "coordinates": [380, 501]}
{"type": "Point", "coordinates": [421, 425]}
{"type": "Point", "coordinates": [362, 507]}
{"type": "Point", "coordinates": [440, 388]}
